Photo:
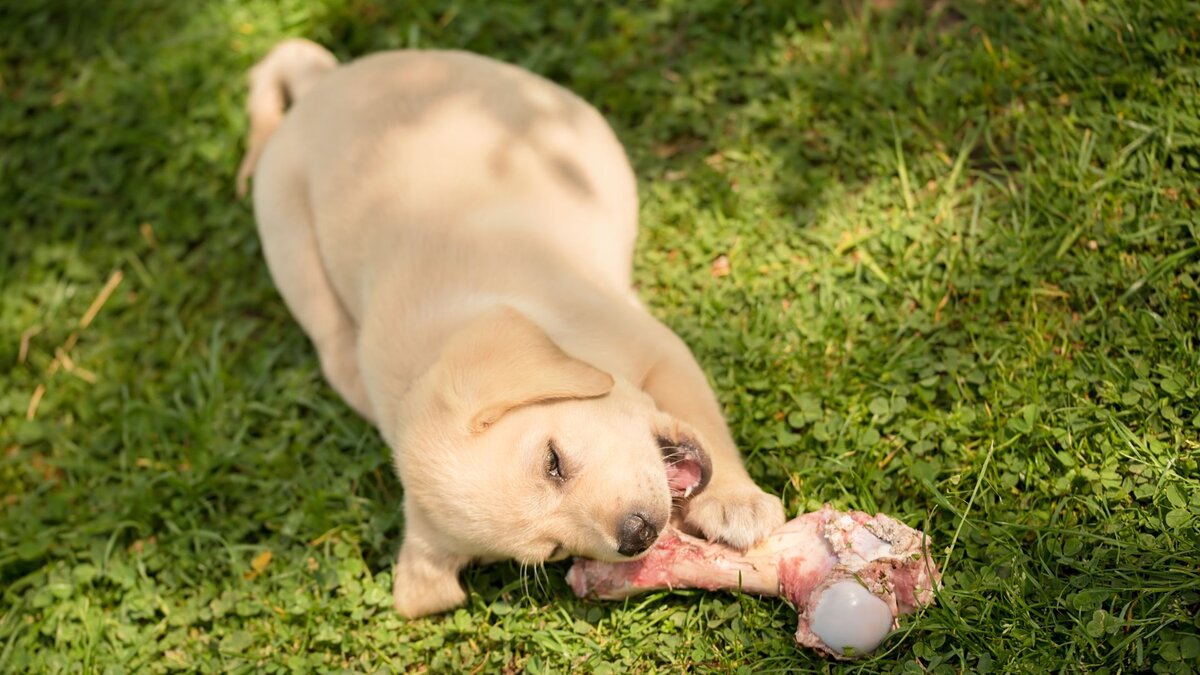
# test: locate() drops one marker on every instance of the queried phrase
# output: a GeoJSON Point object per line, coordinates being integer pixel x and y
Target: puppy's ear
{"type": "Point", "coordinates": [503, 361]}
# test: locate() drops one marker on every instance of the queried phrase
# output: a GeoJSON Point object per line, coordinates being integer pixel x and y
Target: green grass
{"type": "Point", "coordinates": [962, 289]}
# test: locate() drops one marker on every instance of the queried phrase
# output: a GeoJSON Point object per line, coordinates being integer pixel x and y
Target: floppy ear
{"type": "Point", "coordinates": [503, 361]}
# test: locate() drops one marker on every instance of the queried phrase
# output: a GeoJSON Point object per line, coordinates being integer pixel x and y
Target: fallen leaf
{"type": "Point", "coordinates": [720, 267]}
{"type": "Point", "coordinates": [50, 473]}
{"type": "Point", "coordinates": [147, 232]}
{"type": "Point", "coordinates": [259, 564]}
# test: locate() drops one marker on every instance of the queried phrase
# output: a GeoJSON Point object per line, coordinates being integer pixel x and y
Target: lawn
{"type": "Point", "coordinates": [939, 259]}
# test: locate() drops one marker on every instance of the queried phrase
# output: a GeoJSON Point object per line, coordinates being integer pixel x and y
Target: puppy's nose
{"type": "Point", "coordinates": [637, 533]}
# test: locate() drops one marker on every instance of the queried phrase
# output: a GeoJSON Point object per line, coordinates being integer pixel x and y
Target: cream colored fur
{"type": "Point", "coordinates": [456, 237]}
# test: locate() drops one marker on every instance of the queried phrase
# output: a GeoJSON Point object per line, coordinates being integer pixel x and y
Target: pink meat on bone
{"type": "Point", "coordinates": [800, 561]}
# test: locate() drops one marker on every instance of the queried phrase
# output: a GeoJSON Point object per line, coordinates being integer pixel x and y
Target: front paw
{"type": "Point", "coordinates": [739, 514]}
{"type": "Point", "coordinates": [422, 586]}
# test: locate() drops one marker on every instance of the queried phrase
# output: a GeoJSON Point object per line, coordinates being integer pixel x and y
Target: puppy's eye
{"type": "Point", "coordinates": [553, 469]}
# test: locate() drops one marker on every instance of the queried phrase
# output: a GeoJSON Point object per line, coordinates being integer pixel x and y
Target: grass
{"type": "Point", "coordinates": [939, 259]}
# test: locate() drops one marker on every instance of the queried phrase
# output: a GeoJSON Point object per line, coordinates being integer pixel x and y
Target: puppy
{"type": "Point", "coordinates": [456, 236]}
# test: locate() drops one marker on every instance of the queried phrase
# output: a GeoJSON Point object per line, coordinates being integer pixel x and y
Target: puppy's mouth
{"type": "Point", "coordinates": [558, 553]}
{"type": "Point", "coordinates": [688, 466]}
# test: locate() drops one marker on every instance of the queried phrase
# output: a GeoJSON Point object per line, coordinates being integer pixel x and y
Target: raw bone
{"type": "Point", "coordinates": [868, 569]}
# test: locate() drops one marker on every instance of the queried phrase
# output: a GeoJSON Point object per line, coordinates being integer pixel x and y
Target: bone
{"type": "Point", "coordinates": [849, 575]}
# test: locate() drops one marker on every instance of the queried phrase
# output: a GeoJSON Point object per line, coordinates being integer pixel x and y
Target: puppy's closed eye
{"type": "Point", "coordinates": [554, 469]}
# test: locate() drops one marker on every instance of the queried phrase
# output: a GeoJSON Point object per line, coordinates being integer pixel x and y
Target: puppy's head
{"type": "Point", "coordinates": [511, 448]}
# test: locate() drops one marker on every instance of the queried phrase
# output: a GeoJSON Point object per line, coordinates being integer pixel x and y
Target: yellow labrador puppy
{"type": "Point", "coordinates": [455, 235]}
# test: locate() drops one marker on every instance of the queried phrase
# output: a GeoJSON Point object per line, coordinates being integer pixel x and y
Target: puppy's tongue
{"type": "Point", "coordinates": [683, 477]}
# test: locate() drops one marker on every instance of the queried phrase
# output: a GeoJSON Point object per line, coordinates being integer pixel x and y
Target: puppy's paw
{"type": "Point", "coordinates": [739, 514]}
{"type": "Point", "coordinates": [423, 587]}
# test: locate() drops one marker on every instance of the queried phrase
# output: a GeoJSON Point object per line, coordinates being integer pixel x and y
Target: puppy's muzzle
{"type": "Point", "coordinates": [636, 534]}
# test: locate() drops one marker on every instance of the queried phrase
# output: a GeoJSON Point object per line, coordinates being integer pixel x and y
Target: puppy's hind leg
{"type": "Point", "coordinates": [285, 225]}
{"type": "Point", "coordinates": [290, 247]}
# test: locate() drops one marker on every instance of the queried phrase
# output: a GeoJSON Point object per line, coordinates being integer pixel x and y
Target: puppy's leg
{"type": "Point", "coordinates": [425, 580]}
{"type": "Point", "coordinates": [290, 247]}
{"type": "Point", "coordinates": [731, 508]}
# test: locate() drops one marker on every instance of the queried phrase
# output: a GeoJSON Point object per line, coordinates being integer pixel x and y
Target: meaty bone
{"type": "Point", "coordinates": [848, 574]}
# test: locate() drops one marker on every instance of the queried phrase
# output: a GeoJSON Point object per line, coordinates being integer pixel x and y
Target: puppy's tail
{"type": "Point", "coordinates": [285, 74]}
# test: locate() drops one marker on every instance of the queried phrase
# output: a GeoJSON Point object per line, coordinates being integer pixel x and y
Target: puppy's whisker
{"type": "Point", "coordinates": [539, 570]}
{"type": "Point", "coordinates": [524, 579]}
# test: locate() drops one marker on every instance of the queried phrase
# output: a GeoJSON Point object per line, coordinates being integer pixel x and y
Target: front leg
{"type": "Point", "coordinates": [731, 508]}
{"type": "Point", "coordinates": [425, 580]}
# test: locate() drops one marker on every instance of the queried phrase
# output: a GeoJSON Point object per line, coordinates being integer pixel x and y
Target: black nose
{"type": "Point", "coordinates": [637, 533]}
